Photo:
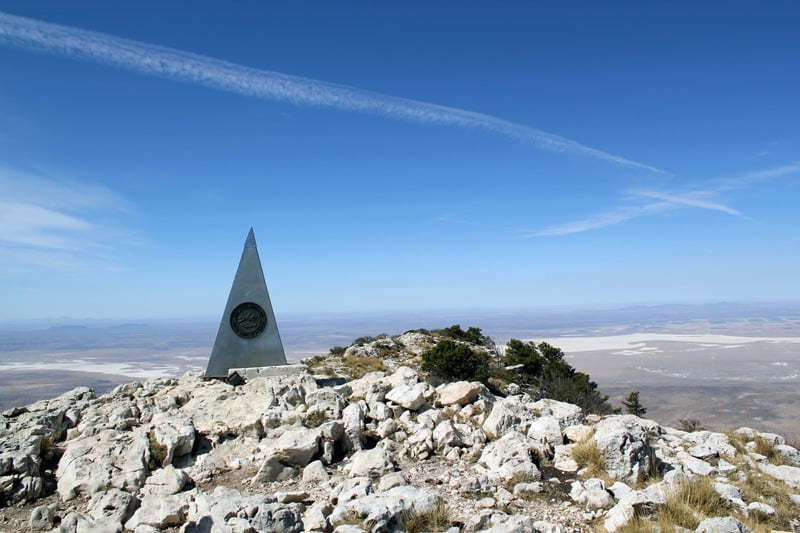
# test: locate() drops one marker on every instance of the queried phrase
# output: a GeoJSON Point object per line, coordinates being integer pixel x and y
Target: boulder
{"type": "Point", "coordinates": [353, 418]}
{"type": "Point", "coordinates": [726, 524]}
{"type": "Point", "coordinates": [506, 414]}
{"type": "Point", "coordinates": [108, 459]}
{"type": "Point", "coordinates": [562, 459]}
{"type": "Point", "coordinates": [445, 434]}
{"type": "Point", "coordinates": [297, 447]}
{"type": "Point", "coordinates": [272, 469]}
{"type": "Point", "coordinates": [592, 494]}
{"type": "Point", "coordinates": [385, 511]}
{"type": "Point", "coordinates": [788, 474]}
{"type": "Point", "coordinates": [624, 442]}
{"type": "Point", "coordinates": [567, 414]}
{"type": "Point", "coordinates": [227, 509]}
{"type": "Point", "coordinates": [315, 472]}
{"type": "Point", "coordinates": [42, 518]}
{"type": "Point", "coordinates": [458, 393]}
{"type": "Point", "coordinates": [167, 480]}
{"type": "Point", "coordinates": [509, 456]}
{"type": "Point", "coordinates": [160, 511]}
{"type": "Point", "coordinates": [351, 489]}
{"type": "Point", "coordinates": [175, 434]}
{"type": "Point", "coordinates": [371, 463]}
{"type": "Point", "coordinates": [545, 433]}
{"type": "Point", "coordinates": [410, 397]}
{"type": "Point", "coordinates": [113, 505]}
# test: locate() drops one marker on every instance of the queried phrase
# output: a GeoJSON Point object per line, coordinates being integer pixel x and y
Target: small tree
{"type": "Point", "coordinates": [453, 361]}
{"type": "Point", "coordinates": [690, 424]}
{"type": "Point", "coordinates": [633, 405]}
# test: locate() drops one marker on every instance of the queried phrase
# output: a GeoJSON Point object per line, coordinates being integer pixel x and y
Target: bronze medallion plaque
{"type": "Point", "coordinates": [248, 320]}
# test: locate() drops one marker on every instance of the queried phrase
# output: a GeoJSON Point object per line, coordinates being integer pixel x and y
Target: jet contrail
{"type": "Point", "coordinates": [230, 77]}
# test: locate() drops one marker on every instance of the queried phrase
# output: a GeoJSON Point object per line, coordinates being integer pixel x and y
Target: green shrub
{"type": "Point", "coordinates": [453, 361]}
{"type": "Point", "coordinates": [472, 334]}
{"type": "Point", "coordinates": [544, 369]}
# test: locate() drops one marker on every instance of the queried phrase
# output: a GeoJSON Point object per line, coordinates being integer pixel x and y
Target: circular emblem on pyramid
{"type": "Point", "coordinates": [248, 320]}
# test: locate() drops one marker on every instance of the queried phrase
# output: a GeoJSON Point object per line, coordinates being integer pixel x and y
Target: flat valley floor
{"type": "Point", "coordinates": [725, 374]}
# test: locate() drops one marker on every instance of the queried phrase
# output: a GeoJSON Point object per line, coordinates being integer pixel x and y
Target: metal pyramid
{"type": "Point", "coordinates": [248, 334]}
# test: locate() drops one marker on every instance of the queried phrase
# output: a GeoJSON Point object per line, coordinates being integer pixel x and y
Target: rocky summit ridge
{"type": "Point", "coordinates": [344, 447]}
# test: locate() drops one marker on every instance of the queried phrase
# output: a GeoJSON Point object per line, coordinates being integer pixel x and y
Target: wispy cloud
{"type": "Point", "coordinates": [183, 66]}
{"type": "Point", "coordinates": [694, 199]}
{"type": "Point", "coordinates": [44, 219]}
{"type": "Point", "coordinates": [754, 178]}
{"type": "Point", "coordinates": [660, 202]}
{"type": "Point", "coordinates": [602, 220]}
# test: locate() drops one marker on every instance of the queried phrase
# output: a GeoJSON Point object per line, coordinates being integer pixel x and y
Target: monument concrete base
{"type": "Point", "coordinates": [268, 371]}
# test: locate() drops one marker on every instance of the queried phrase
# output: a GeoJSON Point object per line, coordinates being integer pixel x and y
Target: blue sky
{"type": "Point", "coordinates": [396, 156]}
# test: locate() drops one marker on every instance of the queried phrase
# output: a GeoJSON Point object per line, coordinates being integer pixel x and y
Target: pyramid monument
{"type": "Point", "coordinates": [248, 334]}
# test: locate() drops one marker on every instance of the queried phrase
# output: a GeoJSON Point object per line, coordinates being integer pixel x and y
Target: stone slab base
{"type": "Point", "coordinates": [268, 371]}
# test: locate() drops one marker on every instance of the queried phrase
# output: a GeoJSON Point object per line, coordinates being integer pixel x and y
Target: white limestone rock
{"type": "Point", "coordinates": [315, 518]}
{"type": "Point", "coordinates": [160, 511]}
{"type": "Point", "coordinates": [298, 447]}
{"type": "Point", "coordinates": [175, 433]}
{"type": "Point", "coordinates": [694, 465]}
{"type": "Point", "coordinates": [458, 393]}
{"type": "Point", "coordinates": [508, 456]}
{"type": "Point", "coordinates": [351, 489]}
{"type": "Point", "coordinates": [592, 494]}
{"type": "Point", "coordinates": [403, 375]}
{"type": "Point", "coordinates": [167, 480]}
{"type": "Point", "coordinates": [577, 433]}
{"type": "Point", "coordinates": [385, 510]}
{"type": "Point", "coordinates": [272, 469]}
{"type": "Point", "coordinates": [545, 433]}
{"type": "Point", "coordinates": [227, 509]}
{"type": "Point", "coordinates": [113, 505]}
{"type": "Point", "coordinates": [567, 414]}
{"type": "Point", "coordinates": [624, 442]}
{"type": "Point", "coordinates": [41, 518]}
{"type": "Point", "coordinates": [315, 472]}
{"type": "Point", "coordinates": [108, 459]}
{"type": "Point", "coordinates": [353, 419]}
{"type": "Point", "coordinates": [410, 397]}
{"type": "Point", "coordinates": [512, 524]}
{"type": "Point", "coordinates": [506, 414]}
{"type": "Point", "coordinates": [445, 434]}
{"type": "Point", "coordinates": [789, 454]}
{"type": "Point", "coordinates": [562, 459]}
{"type": "Point", "coordinates": [371, 463]}
{"type": "Point", "coordinates": [731, 493]}
{"type": "Point", "coordinates": [726, 524]}
{"type": "Point", "coordinates": [326, 403]}
{"type": "Point", "coordinates": [760, 509]}
{"type": "Point", "coordinates": [788, 474]}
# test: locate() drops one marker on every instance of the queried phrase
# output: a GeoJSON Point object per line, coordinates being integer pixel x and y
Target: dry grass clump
{"type": "Point", "coordinates": [694, 501]}
{"type": "Point", "coordinates": [358, 366]}
{"type": "Point", "coordinates": [436, 519]}
{"type": "Point", "coordinates": [758, 487]}
{"type": "Point", "coordinates": [738, 441]}
{"type": "Point", "coordinates": [588, 455]}
{"type": "Point", "coordinates": [158, 451]}
{"type": "Point", "coordinates": [765, 448]}
{"type": "Point", "coordinates": [353, 518]}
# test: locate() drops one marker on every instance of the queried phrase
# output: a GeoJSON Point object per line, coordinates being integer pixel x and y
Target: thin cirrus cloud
{"type": "Point", "coordinates": [230, 77]}
{"type": "Point", "coordinates": [46, 222]}
{"type": "Point", "coordinates": [661, 202]}
{"type": "Point", "coordinates": [689, 200]}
